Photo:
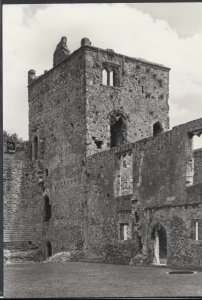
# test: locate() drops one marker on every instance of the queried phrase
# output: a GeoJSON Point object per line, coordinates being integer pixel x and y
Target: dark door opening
{"type": "Point", "coordinates": [49, 249]}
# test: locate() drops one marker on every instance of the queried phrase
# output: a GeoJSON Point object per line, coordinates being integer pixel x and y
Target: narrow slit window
{"type": "Point", "coordinates": [47, 209]}
{"type": "Point", "coordinates": [196, 231]}
{"type": "Point", "coordinates": [35, 147]}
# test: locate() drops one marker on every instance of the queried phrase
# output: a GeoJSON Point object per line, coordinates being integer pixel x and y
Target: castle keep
{"type": "Point", "coordinates": [102, 172]}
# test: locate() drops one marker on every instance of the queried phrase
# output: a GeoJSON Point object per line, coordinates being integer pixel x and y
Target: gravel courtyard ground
{"type": "Point", "coordinates": [77, 279]}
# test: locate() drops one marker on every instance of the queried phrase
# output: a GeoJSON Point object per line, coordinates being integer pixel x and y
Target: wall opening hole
{"type": "Point", "coordinates": [124, 231]}
{"type": "Point", "coordinates": [47, 209]}
{"type": "Point", "coordinates": [104, 77]}
{"type": "Point", "coordinates": [197, 141]}
{"type": "Point", "coordinates": [98, 144]}
{"type": "Point", "coordinates": [111, 78]}
{"type": "Point", "coordinates": [157, 128]}
{"type": "Point", "coordinates": [46, 172]}
{"type": "Point", "coordinates": [117, 130]}
{"type": "Point", "coordinates": [35, 147]}
{"type": "Point", "coordinates": [160, 83]}
{"type": "Point", "coordinates": [49, 249]}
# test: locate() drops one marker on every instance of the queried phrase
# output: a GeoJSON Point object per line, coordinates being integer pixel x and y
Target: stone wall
{"type": "Point", "coordinates": [140, 93]}
{"type": "Point", "coordinates": [159, 192]}
{"type": "Point", "coordinates": [22, 203]}
{"type": "Point", "coordinates": [60, 123]}
{"type": "Point", "coordinates": [183, 249]}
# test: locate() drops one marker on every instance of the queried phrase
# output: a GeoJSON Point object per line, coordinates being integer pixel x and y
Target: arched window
{"type": "Point", "coordinates": [157, 128]}
{"type": "Point", "coordinates": [49, 249]}
{"type": "Point", "coordinates": [117, 130]}
{"type": "Point", "coordinates": [35, 147]}
{"type": "Point", "coordinates": [104, 77]}
{"type": "Point", "coordinates": [111, 78]}
{"type": "Point", "coordinates": [47, 209]}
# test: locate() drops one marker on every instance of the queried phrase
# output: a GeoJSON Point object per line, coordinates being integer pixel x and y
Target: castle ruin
{"type": "Point", "coordinates": [102, 171]}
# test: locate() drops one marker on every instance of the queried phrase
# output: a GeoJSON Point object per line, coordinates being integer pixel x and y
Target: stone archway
{"type": "Point", "coordinates": [159, 242]}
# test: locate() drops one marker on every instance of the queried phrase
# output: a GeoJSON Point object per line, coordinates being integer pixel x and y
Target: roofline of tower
{"type": "Point", "coordinates": [143, 61]}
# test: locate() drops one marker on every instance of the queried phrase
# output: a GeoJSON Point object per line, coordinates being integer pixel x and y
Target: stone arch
{"type": "Point", "coordinates": [118, 128]}
{"type": "Point", "coordinates": [159, 243]}
{"type": "Point", "coordinates": [157, 128]}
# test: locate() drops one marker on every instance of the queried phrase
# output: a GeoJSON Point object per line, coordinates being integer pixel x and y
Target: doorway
{"type": "Point", "coordinates": [159, 242]}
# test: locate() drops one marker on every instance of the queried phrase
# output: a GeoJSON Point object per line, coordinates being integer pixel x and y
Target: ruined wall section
{"type": "Point", "coordinates": [22, 204]}
{"type": "Point", "coordinates": [157, 157]}
{"type": "Point", "coordinates": [153, 159]}
{"type": "Point", "coordinates": [140, 92]}
{"type": "Point", "coordinates": [61, 91]}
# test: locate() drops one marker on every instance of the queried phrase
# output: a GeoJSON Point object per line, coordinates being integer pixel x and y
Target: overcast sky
{"type": "Point", "coordinates": [165, 33]}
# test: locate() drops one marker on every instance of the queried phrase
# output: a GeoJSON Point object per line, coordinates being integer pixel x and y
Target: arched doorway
{"type": "Point", "coordinates": [159, 242]}
{"type": "Point", "coordinates": [49, 249]}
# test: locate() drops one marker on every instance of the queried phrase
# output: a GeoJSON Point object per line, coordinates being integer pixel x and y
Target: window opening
{"type": "Point", "coordinates": [124, 231]}
{"type": "Point", "coordinates": [104, 77]}
{"type": "Point", "coordinates": [111, 78]}
{"type": "Point", "coordinates": [157, 128]}
{"type": "Point", "coordinates": [47, 209]}
{"type": "Point", "coordinates": [117, 130]}
{"type": "Point", "coordinates": [35, 144]}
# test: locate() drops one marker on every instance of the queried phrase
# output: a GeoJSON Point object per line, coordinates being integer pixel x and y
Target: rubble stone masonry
{"type": "Point", "coordinates": [102, 172]}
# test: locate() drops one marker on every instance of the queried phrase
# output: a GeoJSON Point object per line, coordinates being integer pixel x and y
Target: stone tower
{"type": "Point", "coordinates": [90, 101]}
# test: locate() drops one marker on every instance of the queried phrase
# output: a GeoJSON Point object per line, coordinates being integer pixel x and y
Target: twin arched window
{"type": "Point", "coordinates": [109, 77]}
